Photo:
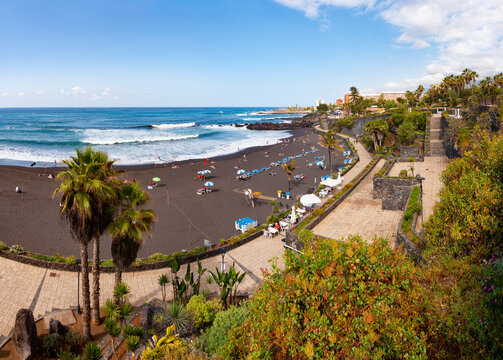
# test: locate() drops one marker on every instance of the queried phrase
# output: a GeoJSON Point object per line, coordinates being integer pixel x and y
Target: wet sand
{"type": "Point", "coordinates": [185, 219]}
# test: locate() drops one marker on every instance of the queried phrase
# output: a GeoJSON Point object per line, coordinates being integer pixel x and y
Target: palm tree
{"type": "Point", "coordinates": [128, 230]}
{"type": "Point", "coordinates": [86, 206]}
{"type": "Point", "coordinates": [330, 141]}
{"type": "Point", "coordinates": [289, 169]}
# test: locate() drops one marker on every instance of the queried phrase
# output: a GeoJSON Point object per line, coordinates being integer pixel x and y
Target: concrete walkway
{"type": "Point", "coordinates": [43, 291]}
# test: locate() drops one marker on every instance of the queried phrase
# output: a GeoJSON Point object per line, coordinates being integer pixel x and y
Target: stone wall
{"type": "Point", "coordinates": [394, 192]}
{"type": "Point", "coordinates": [407, 151]}
{"type": "Point", "coordinates": [142, 267]}
{"type": "Point", "coordinates": [450, 146]}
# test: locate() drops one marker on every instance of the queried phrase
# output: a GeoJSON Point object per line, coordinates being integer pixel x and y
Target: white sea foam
{"type": "Point", "coordinates": [220, 127]}
{"type": "Point", "coordinates": [173, 126]}
{"type": "Point", "coordinates": [113, 141]}
{"type": "Point", "coordinates": [123, 136]}
{"type": "Point", "coordinates": [244, 114]}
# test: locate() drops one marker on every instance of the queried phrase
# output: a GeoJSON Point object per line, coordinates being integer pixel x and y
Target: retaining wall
{"type": "Point", "coordinates": [408, 151]}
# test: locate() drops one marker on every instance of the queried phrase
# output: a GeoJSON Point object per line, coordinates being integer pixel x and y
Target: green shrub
{"type": "Point", "coordinates": [203, 312]}
{"type": "Point", "coordinates": [17, 249]}
{"type": "Point", "coordinates": [51, 344]}
{"type": "Point", "coordinates": [67, 355]}
{"type": "Point", "coordinates": [252, 230]}
{"type": "Point", "coordinates": [275, 210]}
{"type": "Point", "coordinates": [215, 339]}
{"type": "Point", "coordinates": [234, 239]}
{"type": "Point", "coordinates": [74, 340]}
{"type": "Point", "coordinates": [306, 236]}
{"type": "Point", "coordinates": [318, 212]}
{"type": "Point", "coordinates": [272, 219]}
{"type": "Point", "coordinates": [403, 173]}
{"type": "Point", "coordinates": [223, 241]}
{"type": "Point", "coordinates": [3, 246]}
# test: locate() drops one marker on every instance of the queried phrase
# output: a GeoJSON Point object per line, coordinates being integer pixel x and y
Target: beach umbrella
{"type": "Point", "coordinates": [200, 172]}
{"type": "Point", "coordinates": [341, 168]}
{"type": "Point", "coordinates": [209, 183]}
{"type": "Point", "coordinates": [256, 170]}
{"type": "Point", "coordinates": [319, 163]}
{"type": "Point", "coordinates": [240, 171]}
{"type": "Point", "coordinates": [206, 171]}
{"type": "Point", "coordinates": [309, 199]}
{"type": "Point", "coordinates": [156, 179]}
{"type": "Point", "coordinates": [318, 157]}
{"type": "Point", "coordinates": [330, 182]}
{"type": "Point", "coordinates": [293, 215]}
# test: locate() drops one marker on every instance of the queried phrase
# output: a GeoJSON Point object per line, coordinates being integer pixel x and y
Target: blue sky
{"type": "Point", "coordinates": [234, 52]}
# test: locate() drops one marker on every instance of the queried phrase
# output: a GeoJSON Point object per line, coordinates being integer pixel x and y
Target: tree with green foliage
{"type": "Point", "coordinates": [88, 205]}
{"type": "Point", "coordinates": [406, 133]}
{"type": "Point", "coordinates": [127, 231]}
{"type": "Point", "coordinates": [289, 169]}
{"type": "Point", "coordinates": [322, 108]}
{"type": "Point", "coordinates": [330, 141]}
{"type": "Point", "coordinates": [376, 130]}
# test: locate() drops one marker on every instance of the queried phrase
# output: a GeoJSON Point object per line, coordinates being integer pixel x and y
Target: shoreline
{"type": "Point", "coordinates": [185, 219]}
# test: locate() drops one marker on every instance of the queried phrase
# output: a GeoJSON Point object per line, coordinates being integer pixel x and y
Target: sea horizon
{"type": "Point", "coordinates": [132, 135]}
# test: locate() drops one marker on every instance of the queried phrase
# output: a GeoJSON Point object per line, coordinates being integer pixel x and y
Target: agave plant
{"type": "Point", "coordinates": [114, 331]}
{"type": "Point", "coordinates": [92, 352]}
{"type": "Point", "coordinates": [176, 315]}
{"type": "Point", "coordinates": [132, 344]}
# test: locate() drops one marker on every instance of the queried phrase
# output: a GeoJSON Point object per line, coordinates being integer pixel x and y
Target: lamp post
{"type": "Point", "coordinates": [222, 252]}
{"type": "Point", "coordinates": [78, 262]}
{"type": "Point", "coordinates": [420, 179]}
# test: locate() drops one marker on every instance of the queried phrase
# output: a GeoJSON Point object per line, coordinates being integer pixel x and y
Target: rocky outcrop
{"type": "Point", "coordinates": [24, 335]}
{"type": "Point", "coordinates": [303, 123]}
{"type": "Point", "coordinates": [56, 327]}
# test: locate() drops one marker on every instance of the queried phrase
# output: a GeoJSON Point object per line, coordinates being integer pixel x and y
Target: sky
{"type": "Point", "coordinates": [237, 52]}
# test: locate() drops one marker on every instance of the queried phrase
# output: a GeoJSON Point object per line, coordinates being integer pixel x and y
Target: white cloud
{"type": "Point", "coordinates": [21, 94]}
{"type": "Point", "coordinates": [4, 94]}
{"type": "Point", "coordinates": [39, 93]}
{"type": "Point", "coordinates": [77, 90]}
{"type": "Point", "coordinates": [312, 7]}
{"type": "Point", "coordinates": [463, 33]}
{"type": "Point", "coordinates": [106, 92]}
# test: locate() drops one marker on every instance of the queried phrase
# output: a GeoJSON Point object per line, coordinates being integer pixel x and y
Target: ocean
{"type": "Point", "coordinates": [130, 135]}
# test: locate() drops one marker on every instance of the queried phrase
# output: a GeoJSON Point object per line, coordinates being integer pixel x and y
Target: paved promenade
{"type": "Point", "coordinates": [43, 291]}
{"type": "Point", "coordinates": [360, 214]}
{"type": "Point", "coordinates": [431, 169]}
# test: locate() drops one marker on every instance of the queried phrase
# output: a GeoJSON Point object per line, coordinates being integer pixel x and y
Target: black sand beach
{"type": "Point", "coordinates": [185, 219]}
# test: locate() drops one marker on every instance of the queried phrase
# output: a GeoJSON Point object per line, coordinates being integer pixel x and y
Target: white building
{"type": "Point", "coordinates": [318, 102]}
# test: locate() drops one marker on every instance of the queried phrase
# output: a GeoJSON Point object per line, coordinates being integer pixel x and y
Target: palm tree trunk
{"type": "Point", "coordinates": [96, 282]}
{"type": "Point", "coordinates": [86, 315]}
{"type": "Point", "coordinates": [330, 161]}
{"type": "Point", "coordinates": [289, 179]}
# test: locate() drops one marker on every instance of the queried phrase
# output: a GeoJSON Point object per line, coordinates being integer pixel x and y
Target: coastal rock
{"type": "Point", "coordinates": [24, 335]}
{"type": "Point", "coordinates": [56, 327]}
{"type": "Point", "coordinates": [306, 122]}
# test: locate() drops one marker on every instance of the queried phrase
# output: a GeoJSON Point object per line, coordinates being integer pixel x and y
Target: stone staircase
{"type": "Point", "coordinates": [436, 143]}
